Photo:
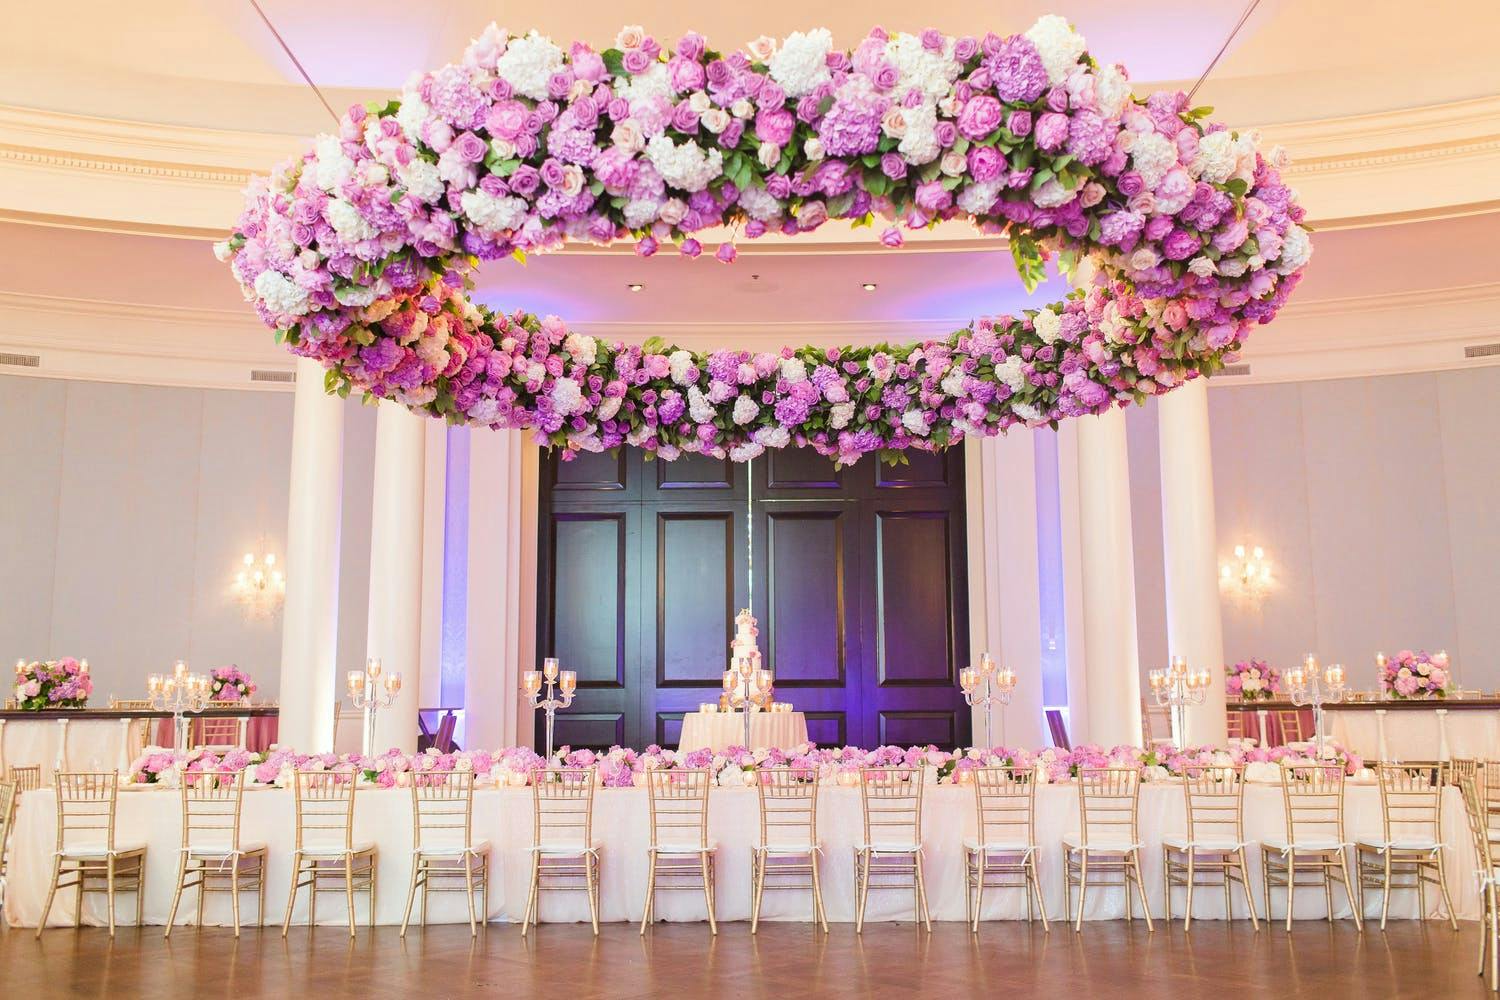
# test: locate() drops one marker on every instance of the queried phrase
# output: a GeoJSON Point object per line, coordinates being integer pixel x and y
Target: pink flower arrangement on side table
{"type": "Point", "coordinates": [1252, 680]}
{"type": "Point", "coordinates": [1416, 675]}
{"type": "Point", "coordinates": [232, 684]}
{"type": "Point", "coordinates": [63, 683]}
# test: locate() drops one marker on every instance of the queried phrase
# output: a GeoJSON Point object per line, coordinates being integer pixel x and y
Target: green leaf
{"type": "Point", "coordinates": [1237, 186]}
{"type": "Point", "coordinates": [614, 61]}
{"type": "Point", "coordinates": [824, 105]}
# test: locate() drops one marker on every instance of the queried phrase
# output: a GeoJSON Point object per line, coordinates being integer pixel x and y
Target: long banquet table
{"type": "Point", "coordinates": [1436, 729]}
{"type": "Point", "coordinates": [503, 816]}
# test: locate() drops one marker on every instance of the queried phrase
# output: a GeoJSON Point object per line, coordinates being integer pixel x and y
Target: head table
{"type": "Point", "coordinates": [503, 816]}
{"type": "Point", "coordinates": [721, 730]}
{"type": "Point", "coordinates": [61, 739]}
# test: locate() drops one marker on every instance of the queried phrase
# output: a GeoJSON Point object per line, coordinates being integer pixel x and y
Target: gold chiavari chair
{"type": "Point", "coordinates": [27, 777]}
{"type": "Point", "coordinates": [1003, 852]}
{"type": "Point", "coordinates": [891, 799]}
{"type": "Point", "coordinates": [1235, 724]}
{"type": "Point", "coordinates": [1487, 872]}
{"type": "Point", "coordinates": [788, 848]}
{"type": "Point", "coordinates": [1313, 797]}
{"type": "Point", "coordinates": [1108, 842]}
{"type": "Point", "coordinates": [564, 854]}
{"type": "Point", "coordinates": [213, 857]}
{"type": "Point", "coordinates": [325, 856]}
{"type": "Point", "coordinates": [445, 856]}
{"type": "Point", "coordinates": [680, 850]}
{"type": "Point", "coordinates": [219, 735]}
{"type": "Point", "coordinates": [8, 798]}
{"type": "Point", "coordinates": [1290, 722]}
{"type": "Point", "coordinates": [1461, 768]}
{"type": "Point", "coordinates": [1409, 852]}
{"type": "Point", "coordinates": [1213, 851]}
{"type": "Point", "coordinates": [87, 850]}
{"type": "Point", "coordinates": [1489, 794]}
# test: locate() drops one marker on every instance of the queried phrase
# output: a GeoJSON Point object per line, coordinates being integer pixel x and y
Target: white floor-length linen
{"type": "Point", "coordinates": [1417, 734]}
{"type": "Point", "coordinates": [503, 816]}
{"type": "Point", "coordinates": [722, 730]}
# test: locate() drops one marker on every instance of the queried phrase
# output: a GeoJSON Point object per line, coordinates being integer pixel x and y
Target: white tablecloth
{"type": "Point", "coordinates": [503, 816]}
{"type": "Point", "coordinates": [720, 730]}
{"type": "Point", "coordinates": [83, 744]}
{"type": "Point", "coordinates": [1418, 733]}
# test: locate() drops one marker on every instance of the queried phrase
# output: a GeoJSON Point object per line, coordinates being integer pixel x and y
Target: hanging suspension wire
{"type": "Point", "coordinates": [1250, 9]}
{"type": "Point", "coordinates": [293, 57]}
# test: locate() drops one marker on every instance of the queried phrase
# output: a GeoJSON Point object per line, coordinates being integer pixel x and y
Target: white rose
{"type": "Point", "coordinates": [628, 136]}
{"type": "Point", "coordinates": [673, 210]}
{"type": "Point", "coordinates": [813, 148]}
{"type": "Point", "coordinates": [893, 122]}
{"type": "Point", "coordinates": [680, 361]}
{"type": "Point", "coordinates": [630, 37]}
{"type": "Point", "coordinates": [840, 415]}
{"type": "Point", "coordinates": [762, 49]}
{"type": "Point", "coordinates": [742, 108]}
{"type": "Point", "coordinates": [915, 421]}
{"type": "Point", "coordinates": [699, 102]}
{"type": "Point", "coordinates": [953, 163]}
{"type": "Point", "coordinates": [769, 154]}
{"type": "Point", "coordinates": [716, 120]}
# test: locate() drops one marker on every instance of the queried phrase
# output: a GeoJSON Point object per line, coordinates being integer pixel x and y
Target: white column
{"type": "Point", "coordinates": [309, 632]}
{"type": "Point", "coordinates": [1108, 571]}
{"type": "Point", "coordinates": [1194, 626]}
{"type": "Point", "coordinates": [434, 504]}
{"type": "Point", "coordinates": [1004, 599]}
{"type": "Point", "coordinates": [395, 627]}
{"type": "Point", "coordinates": [501, 625]}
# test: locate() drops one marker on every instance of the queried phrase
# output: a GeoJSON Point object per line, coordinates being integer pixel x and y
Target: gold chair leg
{"type": "Point", "coordinates": [1036, 887]}
{"type": "Point", "coordinates": [234, 894]}
{"type": "Point", "coordinates": [109, 890]}
{"type": "Point", "coordinates": [411, 893]}
{"type": "Point", "coordinates": [1245, 885]}
{"type": "Point", "coordinates": [862, 886]}
{"type": "Point", "coordinates": [140, 891]}
{"type": "Point", "coordinates": [1166, 883]}
{"type": "Point", "coordinates": [176, 897]}
{"type": "Point", "coordinates": [1083, 890]}
{"type": "Point", "coordinates": [591, 873]}
{"type": "Point", "coordinates": [1385, 890]}
{"type": "Point", "coordinates": [757, 885]}
{"type": "Point", "coordinates": [1359, 921]}
{"type": "Point", "coordinates": [818, 912]}
{"type": "Point", "coordinates": [291, 896]}
{"type": "Point", "coordinates": [1187, 914]}
{"type": "Point", "coordinates": [982, 870]}
{"type": "Point", "coordinates": [469, 893]}
{"type": "Point", "coordinates": [1442, 875]}
{"type": "Point", "coordinates": [1140, 888]}
{"type": "Point", "coordinates": [922, 893]}
{"type": "Point", "coordinates": [650, 892]}
{"type": "Point", "coordinates": [708, 891]}
{"type": "Point", "coordinates": [349, 889]}
{"type": "Point", "coordinates": [41, 923]}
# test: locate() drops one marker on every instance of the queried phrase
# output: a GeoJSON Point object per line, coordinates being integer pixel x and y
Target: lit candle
{"type": "Point", "coordinates": [730, 680]}
{"type": "Point", "coordinates": [1156, 679]}
{"type": "Point", "coordinates": [531, 683]}
{"type": "Point", "coordinates": [373, 667]}
{"type": "Point", "coordinates": [986, 663]}
{"type": "Point", "coordinates": [1294, 677]}
{"type": "Point", "coordinates": [549, 668]}
{"type": "Point", "coordinates": [179, 669]}
{"type": "Point", "coordinates": [747, 667]}
{"type": "Point", "coordinates": [1380, 660]}
{"type": "Point", "coordinates": [153, 684]}
{"type": "Point", "coordinates": [763, 680]}
{"type": "Point", "coordinates": [393, 682]}
{"type": "Point", "coordinates": [1334, 675]}
{"type": "Point", "coordinates": [708, 708]}
{"type": "Point", "coordinates": [83, 665]}
{"type": "Point", "coordinates": [568, 681]}
{"type": "Point", "coordinates": [1310, 663]}
{"type": "Point", "coordinates": [20, 667]}
{"type": "Point", "coordinates": [1006, 678]}
{"type": "Point", "coordinates": [168, 686]}
{"type": "Point", "coordinates": [356, 683]}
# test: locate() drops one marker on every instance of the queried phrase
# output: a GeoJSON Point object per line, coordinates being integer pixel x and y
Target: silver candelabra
{"type": "Point", "coordinates": [1177, 687]}
{"type": "Point", "coordinates": [370, 690]}
{"type": "Point", "coordinates": [566, 681]}
{"type": "Point", "coordinates": [984, 685]}
{"type": "Point", "coordinates": [180, 693]}
{"type": "Point", "coordinates": [1307, 685]}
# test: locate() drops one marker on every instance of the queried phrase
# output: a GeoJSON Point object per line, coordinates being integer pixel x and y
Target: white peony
{"type": "Point", "coordinates": [412, 113]}
{"type": "Point", "coordinates": [641, 212]}
{"type": "Point", "coordinates": [801, 64]}
{"type": "Point", "coordinates": [493, 213]}
{"type": "Point", "coordinates": [680, 361]}
{"type": "Point", "coordinates": [793, 370]}
{"type": "Point", "coordinates": [608, 407]}
{"type": "Point", "coordinates": [1059, 45]}
{"type": "Point", "coordinates": [1152, 156]}
{"type": "Point", "coordinates": [1296, 250]}
{"type": "Point", "coordinates": [333, 167]}
{"type": "Point", "coordinates": [1052, 194]}
{"type": "Point", "coordinates": [953, 383]}
{"type": "Point", "coordinates": [1215, 158]}
{"type": "Point", "coordinates": [686, 167]}
{"type": "Point", "coordinates": [1203, 267]}
{"type": "Point", "coordinates": [916, 422]}
{"type": "Point", "coordinates": [978, 199]}
{"type": "Point", "coordinates": [1048, 325]}
{"type": "Point", "coordinates": [347, 222]}
{"type": "Point", "coordinates": [567, 397]}
{"type": "Point", "coordinates": [745, 409]}
{"type": "Point", "coordinates": [759, 203]}
{"type": "Point", "coordinates": [840, 415]}
{"type": "Point", "coordinates": [1111, 90]}
{"type": "Point", "coordinates": [528, 63]}
{"type": "Point", "coordinates": [745, 453]}
{"type": "Point", "coordinates": [421, 180]}
{"type": "Point", "coordinates": [773, 437]}
{"type": "Point", "coordinates": [1009, 372]}
{"type": "Point", "coordinates": [1026, 411]}
{"type": "Point", "coordinates": [280, 294]}
{"type": "Point", "coordinates": [646, 87]}
{"type": "Point", "coordinates": [582, 349]}
{"type": "Point", "coordinates": [919, 68]}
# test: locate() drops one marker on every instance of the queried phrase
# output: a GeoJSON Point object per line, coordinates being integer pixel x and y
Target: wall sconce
{"type": "Point", "coordinates": [1247, 575]}
{"type": "Point", "coordinates": [259, 586]}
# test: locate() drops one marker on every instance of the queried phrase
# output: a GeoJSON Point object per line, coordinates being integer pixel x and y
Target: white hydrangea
{"type": "Point", "coordinates": [773, 437]}
{"type": "Point", "coordinates": [1214, 161]}
{"type": "Point", "coordinates": [333, 167]}
{"type": "Point", "coordinates": [978, 199]}
{"type": "Point", "coordinates": [493, 213]}
{"type": "Point", "coordinates": [355, 296]}
{"type": "Point", "coordinates": [280, 294]}
{"type": "Point", "coordinates": [1296, 250]}
{"type": "Point", "coordinates": [918, 67]}
{"type": "Point", "coordinates": [1152, 156]}
{"type": "Point", "coordinates": [686, 167]}
{"type": "Point", "coordinates": [840, 415]}
{"type": "Point", "coordinates": [1244, 156]}
{"type": "Point", "coordinates": [581, 348]}
{"type": "Point", "coordinates": [745, 409]}
{"type": "Point", "coordinates": [746, 452]}
{"type": "Point", "coordinates": [801, 64]}
{"type": "Point", "coordinates": [412, 113]}
{"type": "Point", "coordinates": [1048, 325]}
{"type": "Point", "coordinates": [1009, 372]}
{"type": "Point", "coordinates": [421, 180]}
{"type": "Point", "coordinates": [567, 396]}
{"type": "Point", "coordinates": [641, 212]}
{"type": "Point", "coordinates": [1059, 45]}
{"type": "Point", "coordinates": [347, 222]}
{"type": "Point", "coordinates": [528, 63]}
{"type": "Point", "coordinates": [1111, 90]}
{"type": "Point", "coordinates": [793, 370]}
{"type": "Point", "coordinates": [645, 87]}
{"type": "Point", "coordinates": [609, 406]}
{"type": "Point", "coordinates": [1052, 194]}
{"type": "Point", "coordinates": [681, 361]}
{"type": "Point", "coordinates": [920, 145]}
{"type": "Point", "coordinates": [916, 422]}
{"type": "Point", "coordinates": [759, 203]}
{"type": "Point", "coordinates": [699, 408]}
{"type": "Point", "coordinates": [953, 383]}
{"type": "Point", "coordinates": [1026, 411]}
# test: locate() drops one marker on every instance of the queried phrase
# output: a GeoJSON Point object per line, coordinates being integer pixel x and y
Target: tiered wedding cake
{"type": "Point", "coordinates": [744, 642]}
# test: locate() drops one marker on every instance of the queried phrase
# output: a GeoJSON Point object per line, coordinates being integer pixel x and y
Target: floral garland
{"type": "Point", "coordinates": [1416, 675]}
{"type": "Point", "coordinates": [358, 252]}
{"type": "Point", "coordinates": [622, 767]}
{"type": "Point", "coordinates": [231, 684]}
{"type": "Point", "coordinates": [1252, 680]}
{"type": "Point", "coordinates": [63, 683]}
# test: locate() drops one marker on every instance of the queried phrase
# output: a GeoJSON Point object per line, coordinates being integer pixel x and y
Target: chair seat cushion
{"type": "Point", "coordinates": [213, 849]}
{"type": "Point", "coordinates": [1312, 844]}
{"type": "Point", "coordinates": [787, 847]}
{"type": "Point", "coordinates": [99, 850]}
{"type": "Point", "coordinates": [1399, 844]}
{"type": "Point", "coordinates": [891, 847]}
{"type": "Point", "coordinates": [453, 850]}
{"type": "Point", "coordinates": [1209, 844]}
{"type": "Point", "coordinates": [336, 850]}
{"type": "Point", "coordinates": [565, 849]}
{"type": "Point", "coordinates": [683, 848]}
{"type": "Point", "coordinates": [997, 847]}
{"type": "Point", "coordinates": [1100, 845]}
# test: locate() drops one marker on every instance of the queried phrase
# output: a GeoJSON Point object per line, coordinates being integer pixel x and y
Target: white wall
{"type": "Point", "coordinates": [126, 511]}
{"type": "Point", "coordinates": [1377, 501]}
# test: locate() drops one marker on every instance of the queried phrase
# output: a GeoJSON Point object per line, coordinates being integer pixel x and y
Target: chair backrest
{"type": "Point", "coordinates": [325, 808]}
{"type": "Point", "coordinates": [1460, 768]}
{"type": "Point", "coordinates": [211, 804]}
{"type": "Point", "coordinates": [226, 733]}
{"type": "Point", "coordinates": [563, 807]}
{"type": "Point", "coordinates": [442, 808]}
{"type": "Point", "coordinates": [1058, 729]}
{"type": "Point", "coordinates": [1478, 816]}
{"type": "Point", "coordinates": [892, 801]}
{"type": "Point", "coordinates": [1235, 724]}
{"type": "Point", "coordinates": [788, 805]}
{"type": "Point", "coordinates": [130, 704]}
{"type": "Point", "coordinates": [1108, 804]}
{"type": "Point", "coordinates": [27, 777]}
{"type": "Point", "coordinates": [1313, 795]}
{"type": "Point", "coordinates": [1215, 803]}
{"type": "Point", "coordinates": [8, 799]}
{"type": "Point", "coordinates": [1411, 801]}
{"type": "Point", "coordinates": [1290, 720]}
{"type": "Point", "coordinates": [679, 806]}
{"type": "Point", "coordinates": [1489, 786]}
{"type": "Point", "coordinates": [86, 808]}
{"type": "Point", "coordinates": [1005, 804]}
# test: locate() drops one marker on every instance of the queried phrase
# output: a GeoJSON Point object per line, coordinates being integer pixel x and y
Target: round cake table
{"type": "Point", "coordinates": [719, 730]}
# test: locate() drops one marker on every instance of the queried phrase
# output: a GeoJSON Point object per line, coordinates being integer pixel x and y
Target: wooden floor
{"type": "Point", "coordinates": [1009, 961]}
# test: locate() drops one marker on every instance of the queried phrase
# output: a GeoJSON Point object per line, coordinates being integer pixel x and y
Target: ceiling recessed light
{"type": "Point", "coordinates": [635, 286]}
{"type": "Point", "coordinates": [868, 286]}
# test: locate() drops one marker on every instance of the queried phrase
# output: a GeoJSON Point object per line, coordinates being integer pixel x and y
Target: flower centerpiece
{"type": "Point", "coordinates": [231, 684]}
{"type": "Point", "coordinates": [1415, 675]}
{"type": "Point", "coordinates": [1252, 680]}
{"type": "Point", "coordinates": [63, 683]}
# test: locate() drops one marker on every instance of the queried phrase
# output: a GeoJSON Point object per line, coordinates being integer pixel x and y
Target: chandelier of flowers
{"type": "Point", "coordinates": [359, 252]}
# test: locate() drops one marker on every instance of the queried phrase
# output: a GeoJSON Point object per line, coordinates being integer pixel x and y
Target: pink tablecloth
{"type": "Point", "coordinates": [260, 732]}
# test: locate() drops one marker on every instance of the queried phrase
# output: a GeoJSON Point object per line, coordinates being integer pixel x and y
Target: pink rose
{"type": "Point", "coordinates": [507, 120]}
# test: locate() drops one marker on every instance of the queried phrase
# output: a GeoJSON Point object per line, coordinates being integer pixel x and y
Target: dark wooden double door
{"type": "Point", "coordinates": [860, 587]}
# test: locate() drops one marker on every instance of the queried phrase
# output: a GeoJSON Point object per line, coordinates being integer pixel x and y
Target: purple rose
{"type": "Point", "coordinates": [684, 118]}
{"type": "Point", "coordinates": [646, 246]}
{"type": "Point", "coordinates": [553, 174]}
{"type": "Point", "coordinates": [980, 116]}
{"type": "Point", "coordinates": [965, 48]}
{"type": "Point", "coordinates": [932, 197]}
{"type": "Point", "coordinates": [1051, 131]}
{"type": "Point", "coordinates": [1019, 123]}
{"type": "Point", "coordinates": [1057, 99]}
{"type": "Point", "coordinates": [691, 46]}
{"type": "Point", "coordinates": [726, 253]}
{"type": "Point", "coordinates": [892, 238]}
{"type": "Point", "coordinates": [1180, 245]}
{"type": "Point", "coordinates": [684, 75]}
{"type": "Point", "coordinates": [525, 180]}
{"type": "Point", "coordinates": [986, 164]}
{"type": "Point", "coordinates": [1130, 184]}
{"type": "Point", "coordinates": [885, 76]}
{"type": "Point", "coordinates": [690, 247]}
{"type": "Point", "coordinates": [893, 166]}
{"type": "Point", "coordinates": [636, 61]}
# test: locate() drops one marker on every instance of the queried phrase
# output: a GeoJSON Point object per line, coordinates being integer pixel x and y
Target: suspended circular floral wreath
{"type": "Point", "coordinates": [359, 252]}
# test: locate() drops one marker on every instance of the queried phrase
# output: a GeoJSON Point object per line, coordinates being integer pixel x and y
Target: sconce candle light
{"type": "Point", "coordinates": [259, 585]}
{"type": "Point", "coordinates": [1248, 574]}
